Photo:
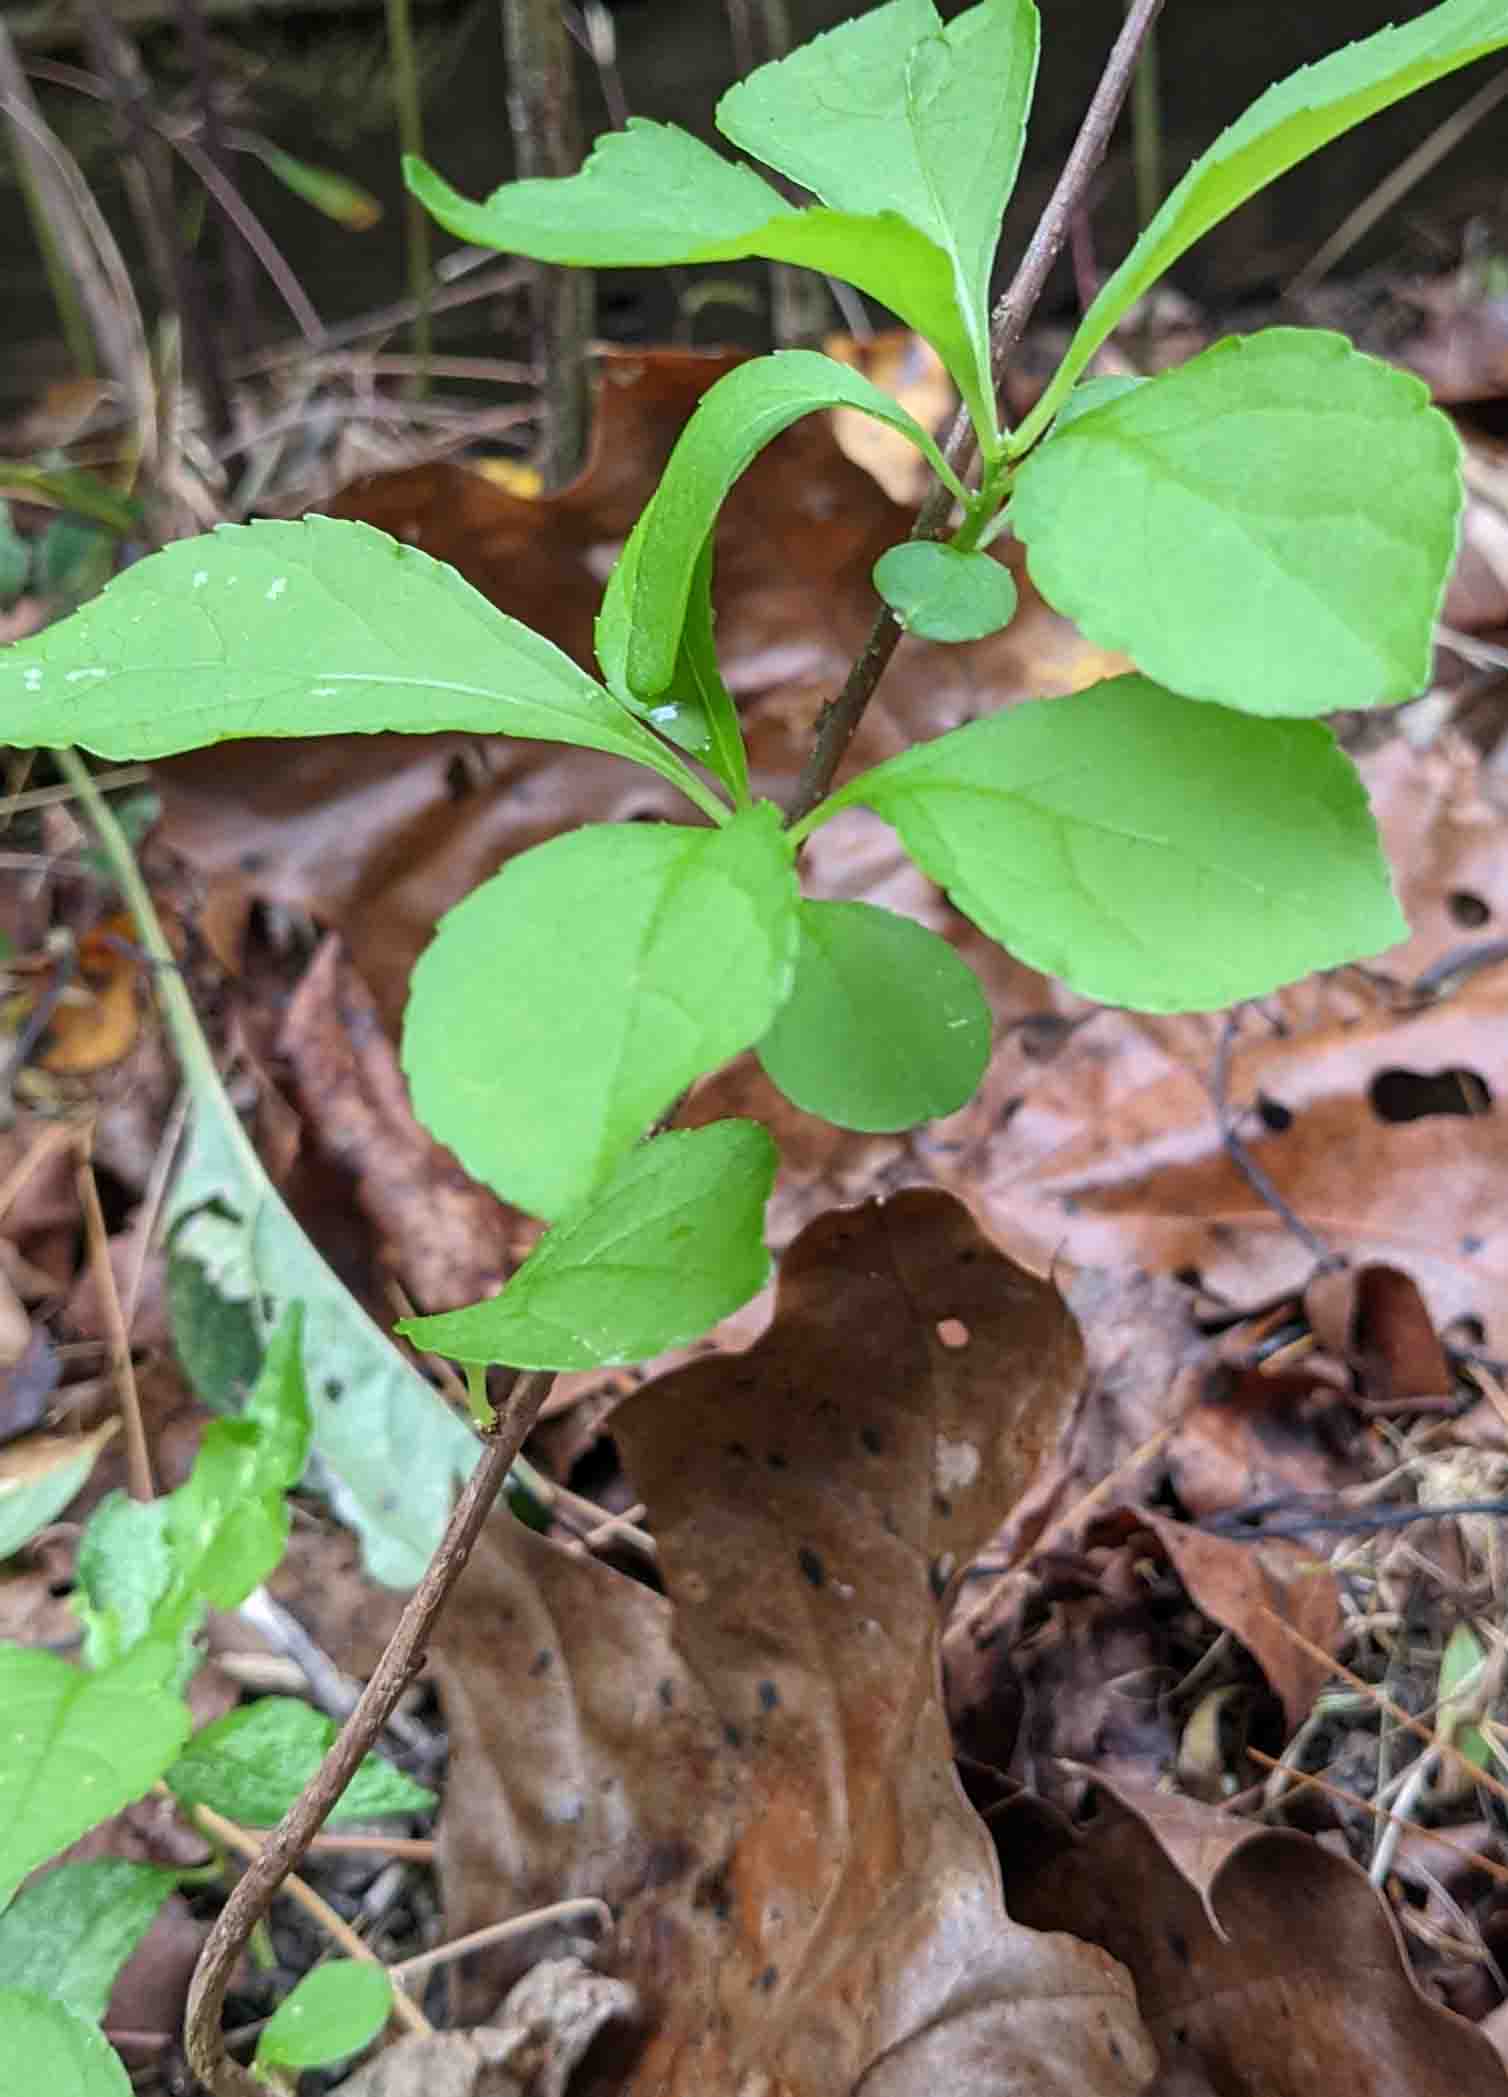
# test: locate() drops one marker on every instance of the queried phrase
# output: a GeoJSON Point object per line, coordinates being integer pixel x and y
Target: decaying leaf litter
{"type": "Point", "coordinates": [1277, 1228]}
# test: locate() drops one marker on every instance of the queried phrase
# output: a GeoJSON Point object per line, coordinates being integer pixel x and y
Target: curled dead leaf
{"type": "Point", "coordinates": [1263, 1962]}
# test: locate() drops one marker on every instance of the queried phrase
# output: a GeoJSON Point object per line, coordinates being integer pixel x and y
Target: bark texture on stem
{"type": "Point", "coordinates": [838, 722]}
{"type": "Point", "coordinates": [398, 1666]}
{"type": "Point", "coordinates": [546, 126]}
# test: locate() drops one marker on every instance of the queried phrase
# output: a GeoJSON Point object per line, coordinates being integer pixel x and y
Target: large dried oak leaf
{"type": "Point", "coordinates": [756, 1772]}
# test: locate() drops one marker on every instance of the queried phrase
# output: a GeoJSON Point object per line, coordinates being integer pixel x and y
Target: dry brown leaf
{"type": "Point", "coordinates": [94, 1024]}
{"type": "Point", "coordinates": [541, 2035]}
{"type": "Point", "coordinates": [1265, 1966]}
{"type": "Point", "coordinates": [909, 369]}
{"type": "Point", "coordinates": [448, 1238]}
{"type": "Point", "coordinates": [756, 1774]}
{"type": "Point", "coordinates": [1150, 1181]}
{"type": "Point", "coordinates": [1257, 1590]}
{"type": "Point", "coordinates": [1375, 1318]}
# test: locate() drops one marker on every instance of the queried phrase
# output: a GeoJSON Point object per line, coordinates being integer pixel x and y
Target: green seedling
{"type": "Point", "coordinates": [1265, 532]}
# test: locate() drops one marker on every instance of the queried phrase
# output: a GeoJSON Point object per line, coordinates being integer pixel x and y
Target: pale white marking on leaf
{"type": "Point", "coordinates": [954, 1464]}
{"type": "Point", "coordinates": [276, 588]}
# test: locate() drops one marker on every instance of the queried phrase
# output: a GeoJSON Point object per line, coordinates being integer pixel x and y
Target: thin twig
{"type": "Point", "coordinates": [1396, 1712]}
{"type": "Point", "coordinates": [149, 1214]}
{"type": "Point", "coordinates": [838, 723]}
{"type": "Point", "coordinates": [95, 270]}
{"type": "Point", "coordinates": [401, 1661]}
{"type": "Point", "coordinates": [231, 1835]}
{"type": "Point", "coordinates": [257, 238]}
{"type": "Point", "coordinates": [1301, 1779]}
{"type": "Point", "coordinates": [44, 796]}
{"type": "Point", "coordinates": [123, 1370]}
{"type": "Point", "coordinates": [403, 67]}
{"type": "Point", "coordinates": [1358, 223]}
{"type": "Point", "coordinates": [1255, 1177]}
{"type": "Point", "coordinates": [201, 57]}
{"type": "Point", "coordinates": [585, 1906]}
{"type": "Point", "coordinates": [546, 130]}
{"type": "Point", "coordinates": [503, 277]}
{"type": "Point", "coordinates": [58, 1135]}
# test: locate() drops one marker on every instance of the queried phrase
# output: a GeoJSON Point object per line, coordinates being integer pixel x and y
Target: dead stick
{"type": "Point", "coordinates": [546, 128]}
{"type": "Point", "coordinates": [398, 1666]}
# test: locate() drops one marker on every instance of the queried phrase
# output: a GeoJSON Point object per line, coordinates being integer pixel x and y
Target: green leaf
{"type": "Point", "coordinates": [253, 1763]}
{"type": "Point", "coordinates": [651, 194]}
{"type": "Point", "coordinates": [335, 2010]}
{"type": "Point", "coordinates": [148, 1570]}
{"type": "Point", "coordinates": [894, 112]}
{"type": "Point", "coordinates": [886, 1025]}
{"type": "Point", "coordinates": [696, 709]}
{"type": "Point", "coordinates": [316, 628]}
{"type": "Point", "coordinates": [335, 195]}
{"type": "Point", "coordinates": [1271, 525]}
{"type": "Point", "coordinates": [215, 1335]}
{"type": "Point", "coordinates": [77, 1748]}
{"type": "Point", "coordinates": [227, 1527]}
{"type": "Point", "coordinates": [1152, 851]}
{"type": "Point", "coordinates": [647, 196]}
{"type": "Point", "coordinates": [732, 424]}
{"type": "Point", "coordinates": [568, 1000]}
{"type": "Point", "coordinates": [73, 558]}
{"type": "Point", "coordinates": [48, 2046]}
{"type": "Point", "coordinates": [1282, 127]}
{"type": "Point", "coordinates": [69, 1934]}
{"type": "Point", "coordinates": [71, 488]}
{"type": "Point", "coordinates": [391, 1452]}
{"type": "Point", "coordinates": [944, 594]}
{"type": "Point", "coordinates": [124, 1570]}
{"type": "Point", "coordinates": [670, 1243]}
{"type": "Point", "coordinates": [15, 559]}
{"type": "Point", "coordinates": [28, 1504]}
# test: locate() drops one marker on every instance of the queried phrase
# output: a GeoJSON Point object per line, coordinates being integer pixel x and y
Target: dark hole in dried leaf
{"type": "Point", "coordinates": [1466, 909]}
{"type": "Point", "coordinates": [1413, 1095]}
{"type": "Point", "coordinates": [596, 1468]}
{"type": "Point", "coordinates": [1275, 1116]}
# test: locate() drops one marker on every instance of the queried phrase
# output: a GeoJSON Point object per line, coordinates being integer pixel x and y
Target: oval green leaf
{"type": "Point", "coordinates": [335, 2010]}
{"type": "Point", "coordinates": [69, 1933]}
{"type": "Point", "coordinates": [1151, 851]}
{"type": "Point", "coordinates": [252, 1764]}
{"type": "Point", "coordinates": [49, 2046]}
{"type": "Point", "coordinates": [732, 424]}
{"type": "Point", "coordinates": [672, 1241]}
{"type": "Point", "coordinates": [1282, 127]}
{"type": "Point", "coordinates": [885, 1027]}
{"type": "Point", "coordinates": [77, 1748]}
{"type": "Point", "coordinates": [318, 628]}
{"type": "Point", "coordinates": [943, 594]}
{"type": "Point", "coordinates": [568, 1000]}
{"type": "Point", "coordinates": [1271, 525]}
